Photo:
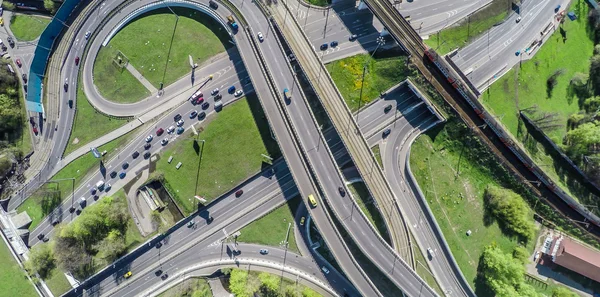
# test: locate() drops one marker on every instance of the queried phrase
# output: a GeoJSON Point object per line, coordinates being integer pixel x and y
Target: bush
{"type": "Point", "coordinates": [563, 292]}
{"type": "Point", "coordinates": [503, 274]}
{"type": "Point", "coordinates": [41, 260]}
{"type": "Point", "coordinates": [511, 212]}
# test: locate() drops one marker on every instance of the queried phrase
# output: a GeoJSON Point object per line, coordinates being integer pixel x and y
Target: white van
{"type": "Point", "coordinates": [100, 185]}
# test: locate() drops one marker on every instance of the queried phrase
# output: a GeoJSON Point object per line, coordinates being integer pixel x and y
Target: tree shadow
{"type": "Point", "coordinates": [481, 287]}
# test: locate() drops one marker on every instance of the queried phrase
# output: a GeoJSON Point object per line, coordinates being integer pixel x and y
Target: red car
{"type": "Point", "coordinates": [239, 193]}
{"type": "Point", "coordinates": [18, 61]}
{"type": "Point", "coordinates": [76, 61]}
{"type": "Point", "coordinates": [199, 100]}
{"type": "Point", "coordinates": [35, 130]}
{"type": "Point", "coordinates": [159, 132]}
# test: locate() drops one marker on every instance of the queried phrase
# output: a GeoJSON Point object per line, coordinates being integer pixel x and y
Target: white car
{"type": "Point", "coordinates": [260, 37]}
{"type": "Point", "coordinates": [214, 92]}
{"type": "Point", "coordinates": [164, 141]}
{"type": "Point", "coordinates": [238, 93]}
{"type": "Point", "coordinates": [170, 130]}
{"type": "Point", "coordinates": [325, 270]}
{"type": "Point", "coordinates": [149, 138]}
{"type": "Point", "coordinates": [180, 123]}
{"type": "Point", "coordinates": [430, 252]}
{"type": "Point", "coordinates": [87, 35]}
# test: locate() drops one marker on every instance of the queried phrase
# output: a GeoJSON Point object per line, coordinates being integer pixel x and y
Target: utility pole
{"type": "Point", "coordinates": [169, 52]}
{"type": "Point", "coordinates": [380, 41]}
{"type": "Point", "coordinates": [285, 243]}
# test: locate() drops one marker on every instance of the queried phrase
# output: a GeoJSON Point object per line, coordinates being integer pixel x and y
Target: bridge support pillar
{"type": "Point", "coordinates": [362, 5]}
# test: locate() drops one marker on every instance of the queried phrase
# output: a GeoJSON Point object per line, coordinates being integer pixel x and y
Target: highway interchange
{"type": "Point", "coordinates": [238, 68]}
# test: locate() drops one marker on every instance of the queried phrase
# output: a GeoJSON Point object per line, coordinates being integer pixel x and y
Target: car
{"type": "Point", "coordinates": [158, 245]}
{"type": "Point", "coordinates": [82, 202]}
{"type": "Point", "coordinates": [180, 130]}
{"type": "Point", "coordinates": [302, 220]}
{"type": "Point", "coordinates": [122, 175]}
{"type": "Point", "coordinates": [213, 4]}
{"type": "Point", "coordinates": [218, 97]}
{"type": "Point", "coordinates": [196, 95]}
{"type": "Point", "coordinates": [93, 191]}
{"type": "Point", "coordinates": [127, 274]}
{"type": "Point", "coordinates": [193, 114]}
{"type": "Point", "coordinates": [170, 129]}
{"type": "Point", "coordinates": [231, 90]}
{"type": "Point", "coordinates": [386, 132]}
{"type": "Point", "coordinates": [108, 187]}
{"type": "Point", "coordinates": [87, 35]}
{"type": "Point", "coordinates": [1, 21]}
{"type": "Point", "coordinates": [146, 155]}
{"type": "Point", "coordinates": [40, 236]}
{"type": "Point", "coordinates": [158, 272]}
{"type": "Point", "coordinates": [70, 103]}
{"type": "Point", "coordinates": [239, 193]}
{"type": "Point", "coordinates": [180, 123]}
{"type": "Point", "coordinates": [536, 256]}
{"type": "Point", "coordinates": [199, 101]}
{"type": "Point", "coordinates": [201, 115]}
{"type": "Point", "coordinates": [312, 201]}
{"type": "Point", "coordinates": [190, 224]}
{"type": "Point", "coordinates": [164, 276]}
{"type": "Point", "coordinates": [149, 138]}
{"type": "Point", "coordinates": [55, 220]}
{"type": "Point", "coordinates": [264, 251]}
{"type": "Point", "coordinates": [35, 130]}
{"type": "Point", "coordinates": [125, 165]}
{"type": "Point", "coordinates": [24, 77]}
{"type": "Point", "coordinates": [430, 252]}
{"type": "Point", "coordinates": [11, 41]}
{"type": "Point", "coordinates": [260, 37]}
{"type": "Point", "coordinates": [135, 154]}
{"type": "Point", "coordinates": [113, 174]}
{"type": "Point", "coordinates": [147, 146]}
{"type": "Point", "coordinates": [292, 58]}
{"type": "Point", "coordinates": [517, 53]}
{"type": "Point", "coordinates": [160, 131]}
{"type": "Point", "coordinates": [205, 105]}
{"type": "Point", "coordinates": [325, 270]}
{"type": "Point", "coordinates": [1, 11]}
{"type": "Point", "coordinates": [177, 117]}
{"type": "Point", "coordinates": [214, 92]}
{"type": "Point", "coordinates": [164, 141]}
{"type": "Point", "coordinates": [286, 94]}
{"type": "Point", "coordinates": [333, 43]}
{"type": "Point", "coordinates": [238, 93]}
{"type": "Point", "coordinates": [352, 37]}
{"type": "Point", "coordinates": [66, 86]}
{"type": "Point", "coordinates": [324, 46]}
{"type": "Point", "coordinates": [18, 61]}
{"type": "Point", "coordinates": [76, 61]}
{"type": "Point", "coordinates": [342, 191]}
{"type": "Point", "coordinates": [387, 108]}
{"type": "Point", "coordinates": [518, 19]}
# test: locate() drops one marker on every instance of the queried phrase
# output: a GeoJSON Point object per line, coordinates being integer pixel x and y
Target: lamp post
{"type": "Point", "coordinates": [169, 52]}
{"type": "Point", "coordinates": [380, 41]}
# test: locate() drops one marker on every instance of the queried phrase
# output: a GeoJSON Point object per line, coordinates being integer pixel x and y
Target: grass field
{"type": "Point", "coordinates": [233, 150]}
{"type": "Point", "coordinates": [377, 152]}
{"type": "Point", "coordinates": [28, 27]}
{"type": "Point", "coordinates": [573, 55]}
{"type": "Point", "coordinates": [322, 3]}
{"type": "Point", "coordinates": [114, 83]}
{"type": "Point", "coordinates": [57, 282]}
{"type": "Point", "coordinates": [468, 29]}
{"type": "Point", "coordinates": [14, 279]}
{"type": "Point", "coordinates": [193, 287]}
{"type": "Point", "coordinates": [43, 201]}
{"type": "Point", "coordinates": [271, 229]}
{"type": "Point", "coordinates": [457, 202]}
{"type": "Point", "coordinates": [361, 196]}
{"type": "Point", "coordinates": [145, 42]}
{"type": "Point", "coordinates": [381, 74]}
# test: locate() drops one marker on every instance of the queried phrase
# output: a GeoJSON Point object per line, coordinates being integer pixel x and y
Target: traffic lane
{"type": "Point", "coordinates": [137, 144]}
{"type": "Point", "coordinates": [435, 17]}
{"type": "Point", "coordinates": [388, 109]}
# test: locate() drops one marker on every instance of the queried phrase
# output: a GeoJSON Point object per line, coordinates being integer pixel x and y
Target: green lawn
{"type": "Point", "coordinates": [115, 83]}
{"type": "Point", "coordinates": [377, 152]}
{"type": "Point", "coordinates": [233, 150]}
{"type": "Point", "coordinates": [361, 196]}
{"type": "Point", "coordinates": [14, 279]}
{"type": "Point", "coordinates": [457, 203]}
{"type": "Point", "coordinates": [44, 200]}
{"type": "Point", "coordinates": [89, 124]}
{"type": "Point", "coordinates": [193, 287]}
{"type": "Point", "coordinates": [271, 229]}
{"type": "Point", "coordinates": [28, 27]}
{"type": "Point", "coordinates": [145, 42]}
{"type": "Point", "coordinates": [57, 282]}
{"type": "Point", "coordinates": [381, 74]}
{"type": "Point", "coordinates": [322, 3]}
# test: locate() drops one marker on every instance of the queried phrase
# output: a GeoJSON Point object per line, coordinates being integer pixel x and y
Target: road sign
{"type": "Point", "coordinates": [95, 152]}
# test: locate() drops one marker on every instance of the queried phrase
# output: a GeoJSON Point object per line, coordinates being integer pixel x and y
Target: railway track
{"type": "Point", "coordinates": [401, 30]}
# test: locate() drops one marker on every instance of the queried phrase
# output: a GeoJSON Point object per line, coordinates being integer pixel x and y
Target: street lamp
{"type": "Point", "coordinates": [380, 41]}
{"type": "Point", "coordinates": [169, 52]}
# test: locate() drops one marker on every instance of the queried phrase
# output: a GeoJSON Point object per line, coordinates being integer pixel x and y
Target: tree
{"type": "Point", "coordinates": [579, 84]}
{"type": "Point", "coordinates": [50, 6]}
{"type": "Point", "coordinates": [41, 260]}
{"type": "Point", "coordinates": [10, 114]}
{"type": "Point", "coordinates": [583, 140]}
{"type": "Point", "coordinates": [503, 274]}
{"type": "Point", "coordinates": [237, 283]}
{"type": "Point", "coordinates": [510, 210]}
{"type": "Point", "coordinates": [269, 284]}
{"type": "Point", "coordinates": [563, 292]}
{"type": "Point", "coordinates": [595, 73]}
{"type": "Point", "coordinates": [69, 252]}
{"type": "Point", "coordinates": [111, 247]}
{"type": "Point", "coordinates": [8, 5]}
{"type": "Point", "coordinates": [520, 253]}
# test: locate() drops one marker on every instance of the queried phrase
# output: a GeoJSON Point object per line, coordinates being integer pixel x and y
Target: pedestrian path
{"type": "Point", "coordinates": [141, 78]}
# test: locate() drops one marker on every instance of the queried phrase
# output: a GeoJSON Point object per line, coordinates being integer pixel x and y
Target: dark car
{"type": "Point", "coordinates": [160, 131]}
{"type": "Point", "coordinates": [146, 155]}
{"type": "Point", "coordinates": [201, 115]}
{"type": "Point", "coordinates": [125, 165]}
{"type": "Point", "coordinates": [387, 108]}
{"type": "Point", "coordinates": [11, 41]}
{"type": "Point", "coordinates": [333, 43]}
{"type": "Point", "coordinates": [352, 37]}
{"type": "Point", "coordinates": [76, 61]}
{"type": "Point", "coordinates": [342, 191]}
{"type": "Point", "coordinates": [218, 97]}
{"type": "Point", "coordinates": [147, 146]}
{"type": "Point", "coordinates": [135, 154]}
{"type": "Point", "coordinates": [24, 77]}
{"type": "Point", "coordinates": [93, 191]}
{"type": "Point", "coordinates": [40, 236]}
{"type": "Point", "coordinates": [70, 103]}
{"type": "Point", "coordinates": [231, 90]}
{"type": "Point", "coordinates": [122, 175]}
{"type": "Point", "coordinates": [324, 46]}
{"type": "Point", "coordinates": [66, 86]}
{"type": "Point", "coordinates": [113, 174]}
{"type": "Point", "coordinates": [158, 272]}
{"type": "Point", "coordinates": [386, 132]}
{"type": "Point", "coordinates": [205, 105]}
{"type": "Point", "coordinates": [213, 4]}
{"type": "Point", "coordinates": [193, 114]}
{"type": "Point", "coordinates": [158, 245]}
{"type": "Point", "coordinates": [239, 193]}
{"type": "Point", "coordinates": [164, 276]}
{"type": "Point", "coordinates": [177, 117]}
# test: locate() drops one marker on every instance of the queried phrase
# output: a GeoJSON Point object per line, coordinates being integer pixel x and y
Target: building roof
{"type": "Point", "coordinates": [578, 258]}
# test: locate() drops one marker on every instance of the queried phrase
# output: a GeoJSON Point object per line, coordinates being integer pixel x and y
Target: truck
{"type": "Point", "coordinates": [232, 23]}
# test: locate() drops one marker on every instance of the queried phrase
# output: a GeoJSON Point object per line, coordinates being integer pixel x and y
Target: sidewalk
{"type": "Point", "coordinates": [141, 78]}
{"type": "Point", "coordinates": [217, 288]}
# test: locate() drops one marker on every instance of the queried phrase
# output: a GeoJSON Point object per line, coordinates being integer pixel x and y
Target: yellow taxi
{"type": "Point", "coordinates": [1, 21]}
{"type": "Point", "coordinates": [312, 200]}
{"type": "Point", "coordinates": [127, 275]}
